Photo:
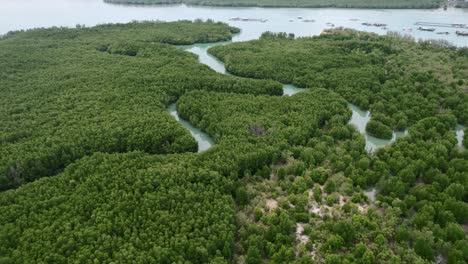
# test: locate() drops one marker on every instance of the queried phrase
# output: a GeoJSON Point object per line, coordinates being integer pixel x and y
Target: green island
{"type": "Point", "coordinates": [295, 3]}
{"type": "Point", "coordinates": [93, 169]}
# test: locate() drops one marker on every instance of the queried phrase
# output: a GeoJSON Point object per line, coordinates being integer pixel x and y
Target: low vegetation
{"type": "Point", "coordinates": [311, 207]}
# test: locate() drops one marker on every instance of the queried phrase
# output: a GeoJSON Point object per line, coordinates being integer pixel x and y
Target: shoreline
{"type": "Point", "coordinates": [130, 3]}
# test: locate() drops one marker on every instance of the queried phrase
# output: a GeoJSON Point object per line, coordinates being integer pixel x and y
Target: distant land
{"type": "Point", "coordinates": [414, 4]}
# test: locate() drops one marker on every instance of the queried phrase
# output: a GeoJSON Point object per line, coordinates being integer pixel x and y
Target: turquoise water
{"type": "Point", "coordinates": [289, 89]}
{"type": "Point", "coordinates": [205, 58]}
{"type": "Point", "coordinates": [359, 119]}
{"type": "Point", "coordinates": [203, 139]}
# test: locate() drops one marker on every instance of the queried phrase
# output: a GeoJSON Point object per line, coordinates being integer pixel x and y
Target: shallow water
{"type": "Point", "coordinates": [290, 89]}
{"type": "Point", "coordinates": [204, 57]}
{"type": "Point", "coordinates": [371, 194]}
{"type": "Point", "coordinates": [25, 14]}
{"type": "Point", "coordinates": [203, 139]}
{"type": "Point", "coordinates": [359, 119]}
{"type": "Point", "coordinates": [460, 130]}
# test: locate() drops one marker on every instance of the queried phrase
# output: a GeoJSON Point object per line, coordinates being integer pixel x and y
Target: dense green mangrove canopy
{"type": "Point", "coordinates": [67, 93]}
{"type": "Point", "coordinates": [94, 169]}
{"type": "Point", "coordinates": [400, 81]}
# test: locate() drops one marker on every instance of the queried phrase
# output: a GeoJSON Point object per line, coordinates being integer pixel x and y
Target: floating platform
{"type": "Point", "coordinates": [374, 24]}
{"type": "Point", "coordinates": [433, 24]}
{"type": "Point", "coordinates": [248, 19]}
{"type": "Point", "coordinates": [426, 29]}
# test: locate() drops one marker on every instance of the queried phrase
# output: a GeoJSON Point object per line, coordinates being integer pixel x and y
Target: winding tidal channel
{"type": "Point", "coordinates": [203, 139]}
{"type": "Point", "coordinates": [26, 14]}
{"type": "Point", "coordinates": [359, 118]}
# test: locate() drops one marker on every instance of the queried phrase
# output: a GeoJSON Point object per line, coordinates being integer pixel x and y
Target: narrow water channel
{"type": "Point", "coordinates": [290, 89]}
{"type": "Point", "coordinates": [359, 118]}
{"type": "Point", "coordinates": [204, 140]}
{"type": "Point", "coordinates": [204, 57]}
{"type": "Point", "coordinates": [460, 130]}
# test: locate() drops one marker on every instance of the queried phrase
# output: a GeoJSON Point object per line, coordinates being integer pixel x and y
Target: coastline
{"type": "Point", "coordinates": [279, 5]}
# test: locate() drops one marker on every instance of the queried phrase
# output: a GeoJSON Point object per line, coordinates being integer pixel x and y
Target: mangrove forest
{"type": "Point", "coordinates": [94, 169]}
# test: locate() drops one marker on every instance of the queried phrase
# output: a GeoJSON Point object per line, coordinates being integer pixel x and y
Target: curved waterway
{"type": "Point", "coordinates": [204, 140]}
{"type": "Point", "coordinates": [359, 118]}
{"type": "Point", "coordinates": [26, 14]}
{"type": "Point", "coordinates": [204, 57]}
{"type": "Point", "coordinates": [460, 131]}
